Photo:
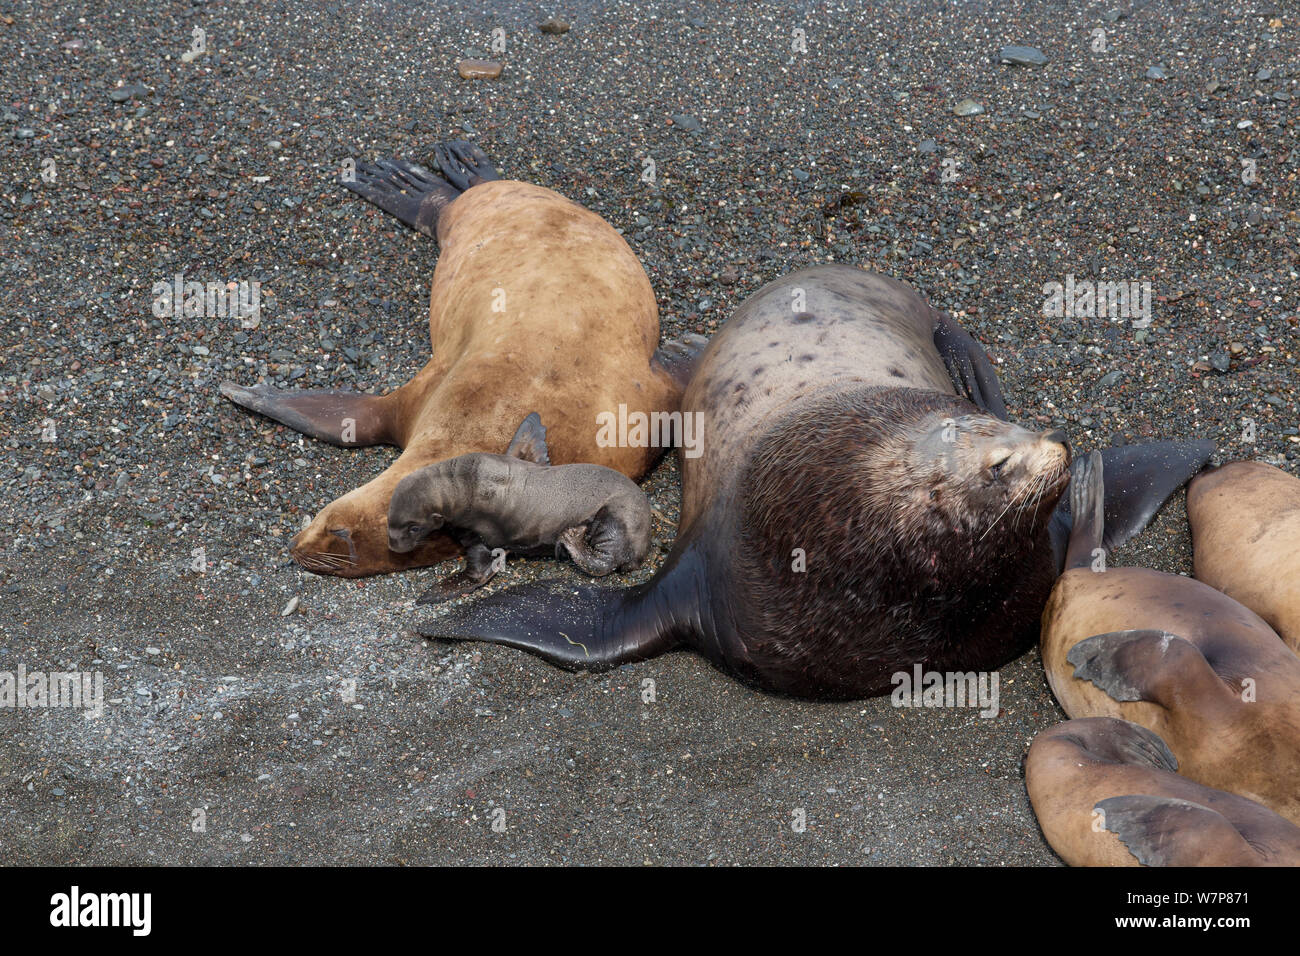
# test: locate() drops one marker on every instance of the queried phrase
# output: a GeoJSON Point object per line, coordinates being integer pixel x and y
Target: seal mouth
{"type": "Point", "coordinates": [327, 562]}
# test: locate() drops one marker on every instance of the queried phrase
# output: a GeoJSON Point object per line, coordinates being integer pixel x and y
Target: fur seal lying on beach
{"type": "Point", "coordinates": [1245, 519]}
{"type": "Point", "coordinates": [850, 514]}
{"type": "Point", "coordinates": [1205, 673]}
{"type": "Point", "coordinates": [537, 304]}
{"type": "Point", "coordinates": [1107, 793]}
{"type": "Point", "coordinates": [519, 502]}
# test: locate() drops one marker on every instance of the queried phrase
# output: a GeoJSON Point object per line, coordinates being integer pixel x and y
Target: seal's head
{"type": "Point", "coordinates": [350, 539]}
{"type": "Point", "coordinates": [414, 512]}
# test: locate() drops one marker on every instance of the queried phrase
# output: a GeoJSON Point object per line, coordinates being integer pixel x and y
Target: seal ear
{"type": "Point", "coordinates": [1166, 831]}
{"type": "Point", "coordinates": [529, 442]}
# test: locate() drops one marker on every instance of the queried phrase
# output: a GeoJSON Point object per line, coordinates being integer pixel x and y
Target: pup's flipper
{"type": "Point", "coordinates": [1138, 480]}
{"type": "Point", "coordinates": [349, 419]}
{"type": "Point", "coordinates": [1166, 831]}
{"type": "Point", "coordinates": [968, 365]}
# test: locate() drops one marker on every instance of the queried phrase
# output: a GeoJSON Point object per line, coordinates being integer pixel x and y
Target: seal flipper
{"type": "Point", "coordinates": [1138, 480]}
{"type": "Point", "coordinates": [408, 191]}
{"type": "Point", "coordinates": [464, 164]}
{"type": "Point", "coordinates": [1088, 506]}
{"type": "Point", "coordinates": [968, 365]}
{"type": "Point", "coordinates": [583, 626]}
{"type": "Point", "coordinates": [529, 442]}
{"type": "Point", "coordinates": [1166, 831]}
{"type": "Point", "coordinates": [349, 419]}
{"type": "Point", "coordinates": [1147, 665]}
{"type": "Point", "coordinates": [678, 356]}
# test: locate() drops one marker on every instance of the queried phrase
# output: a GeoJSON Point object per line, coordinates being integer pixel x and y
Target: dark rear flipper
{"type": "Point", "coordinates": [678, 356]}
{"type": "Point", "coordinates": [584, 626]}
{"type": "Point", "coordinates": [415, 195]}
{"type": "Point", "coordinates": [1138, 480]}
{"type": "Point", "coordinates": [1165, 831]}
{"type": "Point", "coordinates": [350, 419]}
{"type": "Point", "coordinates": [968, 365]}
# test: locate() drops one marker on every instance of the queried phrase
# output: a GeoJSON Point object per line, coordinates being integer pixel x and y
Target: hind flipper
{"type": "Point", "coordinates": [1139, 478]}
{"type": "Point", "coordinates": [1166, 831]}
{"type": "Point", "coordinates": [350, 419]}
{"type": "Point", "coordinates": [464, 164]}
{"type": "Point", "coordinates": [968, 365]}
{"type": "Point", "coordinates": [1147, 665]}
{"type": "Point", "coordinates": [678, 356]}
{"type": "Point", "coordinates": [405, 190]}
{"type": "Point", "coordinates": [574, 626]}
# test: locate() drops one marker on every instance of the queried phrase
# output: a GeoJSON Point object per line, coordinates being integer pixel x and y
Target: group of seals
{"type": "Point", "coordinates": [518, 502]}
{"type": "Point", "coordinates": [1203, 675]}
{"type": "Point", "coordinates": [851, 514]}
{"type": "Point", "coordinates": [537, 304]}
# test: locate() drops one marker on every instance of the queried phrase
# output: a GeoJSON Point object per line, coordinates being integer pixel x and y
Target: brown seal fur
{"type": "Point", "coordinates": [576, 337]}
{"type": "Point", "coordinates": [850, 515]}
{"type": "Point", "coordinates": [1106, 793]}
{"type": "Point", "coordinates": [1245, 519]}
{"type": "Point", "coordinates": [1179, 658]}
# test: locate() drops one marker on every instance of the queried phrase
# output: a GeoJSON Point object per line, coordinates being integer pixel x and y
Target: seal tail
{"type": "Point", "coordinates": [581, 626]}
{"type": "Point", "coordinates": [1138, 480]}
{"type": "Point", "coordinates": [415, 195]}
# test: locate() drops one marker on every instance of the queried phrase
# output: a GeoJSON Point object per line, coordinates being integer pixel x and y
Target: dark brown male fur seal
{"type": "Point", "coordinates": [834, 441]}
{"type": "Point", "coordinates": [1107, 793]}
{"type": "Point", "coordinates": [519, 502]}
{"type": "Point", "coordinates": [1172, 654]}
{"type": "Point", "coordinates": [537, 305]}
{"type": "Point", "coordinates": [1245, 519]}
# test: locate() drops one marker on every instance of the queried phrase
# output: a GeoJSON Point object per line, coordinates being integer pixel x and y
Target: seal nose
{"type": "Point", "coordinates": [1057, 437]}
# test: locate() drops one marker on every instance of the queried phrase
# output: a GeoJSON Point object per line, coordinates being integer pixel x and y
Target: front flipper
{"type": "Point", "coordinates": [1139, 478]}
{"type": "Point", "coordinates": [480, 568]}
{"type": "Point", "coordinates": [350, 419]}
{"type": "Point", "coordinates": [968, 365]}
{"type": "Point", "coordinates": [1166, 831]}
{"type": "Point", "coordinates": [1088, 505]}
{"type": "Point", "coordinates": [678, 356]}
{"type": "Point", "coordinates": [1147, 665]}
{"type": "Point", "coordinates": [529, 442]}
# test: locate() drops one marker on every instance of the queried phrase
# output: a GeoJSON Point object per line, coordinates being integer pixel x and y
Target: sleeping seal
{"type": "Point", "coordinates": [1245, 519]}
{"type": "Point", "coordinates": [494, 504]}
{"type": "Point", "coordinates": [850, 514]}
{"type": "Point", "coordinates": [1107, 793]}
{"type": "Point", "coordinates": [537, 304]}
{"type": "Point", "coordinates": [1177, 657]}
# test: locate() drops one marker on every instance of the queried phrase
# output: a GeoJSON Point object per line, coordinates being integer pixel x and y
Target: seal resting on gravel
{"type": "Point", "coordinates": [537, 304]}
{"type": "Point", "coordinates": [1107, 793]}
{"type": "Point", "coordinates": [1245, 519]}
{"type": "Point", "coordinates": [520, 502]}
{"type": "Point", "coordinates": [1187, 662]}
{"type": "Point", "coordinates": [850, 514]}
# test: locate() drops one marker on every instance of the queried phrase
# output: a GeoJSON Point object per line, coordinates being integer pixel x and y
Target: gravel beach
{"type": "Point", "coordinates": [259, 714]}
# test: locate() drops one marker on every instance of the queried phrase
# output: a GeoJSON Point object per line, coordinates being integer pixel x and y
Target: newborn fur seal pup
{"type": "Point", "coordinates": [1245, 519]}
{"type": "Point", "coordinates": [1107, 793]}
{"type": "Point", "coordinates": [518, 502]}
{"type": "Point", "coordinates": [537, 304]}
{"type": "Point", "coordinates": [850, 514]}
{"type": "Point", "coordinates": [1187, 662]}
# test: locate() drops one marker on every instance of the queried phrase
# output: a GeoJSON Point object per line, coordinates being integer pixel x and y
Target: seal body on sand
{"type": "Point", "coordinates": [1176, 656]}
{"type": "Point", "coordinates": [1107, 793]}
{"type": "Point", "coordinates": [537, 304]}
{"type": "Point", "coordinates": [519, 502]}
{"type": "Point", "coordinates": [1245, 519]}
{"type": "Point", "coordinates": [850, 514]}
